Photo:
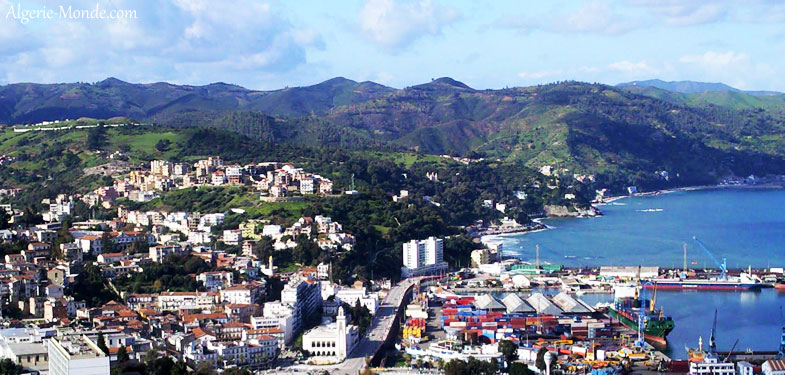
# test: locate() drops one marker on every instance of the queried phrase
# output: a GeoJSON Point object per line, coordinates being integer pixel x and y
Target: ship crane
{"type": "Point", "coordinates": [723, 266]}
{"type": "Point", "coordinates": [730, 353]}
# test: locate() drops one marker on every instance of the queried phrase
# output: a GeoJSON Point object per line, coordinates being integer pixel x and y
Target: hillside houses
{"type": "Point", "coordinates": [270, 179]}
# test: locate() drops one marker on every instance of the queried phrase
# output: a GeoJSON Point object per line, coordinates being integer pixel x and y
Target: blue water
{"type": "Point", "coordinates": [751, 317]}
{"type": "Point", "coordinates": [745, 226]}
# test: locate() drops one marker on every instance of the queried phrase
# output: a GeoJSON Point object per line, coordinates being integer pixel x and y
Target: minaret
{"type": "Point", "coordinates": [340, 321]}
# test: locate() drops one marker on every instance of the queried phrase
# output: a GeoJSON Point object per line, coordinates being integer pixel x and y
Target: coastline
{"type": "Point", "coordinates": [770, 185]}
{"type": "Point", "coordinates": [539, 221]}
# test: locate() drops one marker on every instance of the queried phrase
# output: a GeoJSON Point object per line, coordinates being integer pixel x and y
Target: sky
{"type": "Point", "coordinates": [485, 44]}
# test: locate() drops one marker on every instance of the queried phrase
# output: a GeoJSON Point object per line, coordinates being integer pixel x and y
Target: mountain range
{"type": "Point", "coordinates": [692, 87]}
{"type": "Point", "coordinates": [689, 129]}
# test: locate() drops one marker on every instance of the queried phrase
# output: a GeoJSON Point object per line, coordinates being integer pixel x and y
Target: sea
{"type": "Point", "coordinates": [744, 226]}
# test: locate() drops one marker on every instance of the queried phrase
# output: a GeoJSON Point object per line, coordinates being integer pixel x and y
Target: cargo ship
{"type": "Point", "coordinates": [742, 282]}
{"type": "Point", "coordinates": [628, 308]}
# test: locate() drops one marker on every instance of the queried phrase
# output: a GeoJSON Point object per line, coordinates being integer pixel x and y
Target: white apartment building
{"type": "Point", "coordinates": [243, 294]}
{"type": "Point", "coordinates": [218, 178]}
{"type": "Point", "coordinates": [423, 257]}
{"type": "Point", "coordinates": [306, 186]}
{"type": "Point", "coordinates": [76, 355]}
{"type": "Point", "coordinates": [323, 271]}
{"type": "Point", "coordinates": [232, 236]}
{"type": "Point", "coordinates": [159, 252]}
{"type": "Point", "coordinates": [305, 297]}
{"type": "Point", "coordinates": [173, 301]}
{"type": "Point", "coordinates": [249, 353]}
{"type": "Point", "coordinates": [161, 168]}
{"type": "Point", "coordinates": [351, 296]}
{"type": "Point", "coordinates": [278, 316]}
{"type": "Point", "coordinates": [216, 280]}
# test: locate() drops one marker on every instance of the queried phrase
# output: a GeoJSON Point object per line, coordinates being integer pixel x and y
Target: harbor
{"type": "Point", "coordinates": [602, 320]}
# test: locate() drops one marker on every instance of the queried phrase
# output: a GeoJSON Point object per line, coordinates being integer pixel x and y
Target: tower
{"type": "Point", "coordinates": [340, 322]}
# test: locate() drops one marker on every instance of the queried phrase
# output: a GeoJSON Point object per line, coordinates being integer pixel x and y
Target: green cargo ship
{"type": "Point", "coordinates": [656, 327]}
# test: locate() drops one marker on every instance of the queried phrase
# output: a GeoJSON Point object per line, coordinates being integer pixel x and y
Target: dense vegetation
{"type": "Point", "coordinates": [629, 131]}
{"type": "Point", "coordinates": [380, 141]}
{"type": "Point", "coordinates": [174, 274]}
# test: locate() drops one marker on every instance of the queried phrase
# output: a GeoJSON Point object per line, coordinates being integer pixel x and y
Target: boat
{"type": "Point", "coordinates": [629, 310]}
{"type": "Point", "coordinates": [779, 286]}
{"type": "Point", "coordinates": [743, 282]}
{"type": "Point", "coordinates": [696, 354]}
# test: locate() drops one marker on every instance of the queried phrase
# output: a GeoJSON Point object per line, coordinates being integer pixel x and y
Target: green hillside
{"type": "Point", "coordinates": [630, 131]}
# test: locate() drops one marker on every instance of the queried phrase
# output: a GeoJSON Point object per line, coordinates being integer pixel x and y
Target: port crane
{"type": "Point", "coordinates": [723, 266]}
{"type": "Point", "coordinates": [730, 353]}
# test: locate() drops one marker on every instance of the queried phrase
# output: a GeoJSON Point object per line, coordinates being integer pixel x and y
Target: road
{"type": "Point", "coordinates": [380, 327]}
{"type": "Point", "coordinates": [369, 344]}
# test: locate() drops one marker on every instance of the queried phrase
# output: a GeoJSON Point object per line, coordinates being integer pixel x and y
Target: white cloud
{"type": "Point", "coordinates": [193, 41]}
{"type": "Point", "coordinates": [684, 13]}
{"type": "Point", "coordinates": [632, 67]}
{"type": "Point", "coordinates": [716, 60]}
{"type": "Point", "coordinates": [597, 17]}
{"type": "Point", "coordinates": [393, 24]}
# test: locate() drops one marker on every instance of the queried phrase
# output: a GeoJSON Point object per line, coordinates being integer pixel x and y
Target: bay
{"type": "Point", "coordinates": [746, 226]}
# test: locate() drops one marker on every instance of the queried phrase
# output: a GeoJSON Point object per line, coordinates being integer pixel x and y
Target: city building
{"type": "Point", "coordinates": [243, 294]}
{"type": "Point", "coordinates": [305, 298]}
{"type": "Point", "coordinates": [423, 257]}
{"type": "Point", "coordinates": [76, 355]}
{"type": "Point", "coordinates": [331, 342]}
{"type": "Point", "coordinates": [773, 367]}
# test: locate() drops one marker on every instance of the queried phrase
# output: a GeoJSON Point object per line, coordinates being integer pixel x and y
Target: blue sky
{"type": "Point", "coordinates": [486, 44]}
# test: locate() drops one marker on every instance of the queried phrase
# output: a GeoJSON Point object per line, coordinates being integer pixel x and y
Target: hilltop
{"type": "Point", "coordinates": [693, 87]}
{"type": "Point", "coordinates": [627, 133]}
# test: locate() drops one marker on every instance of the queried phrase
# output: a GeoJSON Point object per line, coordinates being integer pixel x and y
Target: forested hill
{"type": "Point", "coordinates": [574, 126]}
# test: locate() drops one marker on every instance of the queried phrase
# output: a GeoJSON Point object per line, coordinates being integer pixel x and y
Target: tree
{"type": "Point", "coordinates": [236, 371]}
{"type": "Point", "coordinates": [204, 368]}
{"type": "Point", "coordinates": [9, 367]}
{"type": "Point", "coordinates": [102, 343]}
{"type": "Point", "coordinates": [163, 145]}
{"type": "Point", "coordinates": [509, 350]}
{"type": "Point", "coordinates": [518, 368]}
{"type": "Point", "coordinates": [4, 218]}
{"type": "Point", "coordinates": [95, 138]}
{"type": "Point", "coordinates": [540, 362]}
{"type": "Point", "coordinates": [163, 366]}
{"type": "Point", "coordinates": [106, 243]}
{"type": "Point", "coordinates": [122, 354]}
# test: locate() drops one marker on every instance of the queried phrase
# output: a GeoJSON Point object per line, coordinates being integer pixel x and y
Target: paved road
{"type": "Point", "coordinates": [370, 343]}
{"type": "Point", "coordinates": [379, 329]}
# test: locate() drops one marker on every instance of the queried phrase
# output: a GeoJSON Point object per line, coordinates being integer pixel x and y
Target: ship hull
{"type": "Point", "coordinates": [653, 334]}
{"type": "Point", "coordinates": [686, 285]}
